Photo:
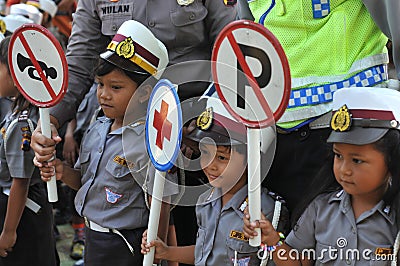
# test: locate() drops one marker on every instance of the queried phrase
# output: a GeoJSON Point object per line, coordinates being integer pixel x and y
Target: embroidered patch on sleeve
{"type": "Point", "coordinates": [241, 262]}
{"type": "Point", "coordinates": [111, 196]}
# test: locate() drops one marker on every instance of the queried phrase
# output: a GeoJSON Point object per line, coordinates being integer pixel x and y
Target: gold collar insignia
{"type": "Point", "coordinates": [3, 27]}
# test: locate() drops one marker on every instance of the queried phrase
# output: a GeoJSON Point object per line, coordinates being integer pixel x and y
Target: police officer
{"type": "Point", "coordinates": [337, 52]}
{"type": "Point", "coordinates": [187, 28]}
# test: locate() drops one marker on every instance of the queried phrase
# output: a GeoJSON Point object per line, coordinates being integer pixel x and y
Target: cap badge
{"type": "Point", "coordinates": [2, 26]}
{"type": "Point", "coordinates": [341, 120]}
{"type": "Point", "coordinates": [125, 48]}
{"type": "Point", "coordinates": [204, 121]}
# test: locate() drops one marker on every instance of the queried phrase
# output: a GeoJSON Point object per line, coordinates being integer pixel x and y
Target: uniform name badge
{"type": "Point", "coordinates": [184, 2]}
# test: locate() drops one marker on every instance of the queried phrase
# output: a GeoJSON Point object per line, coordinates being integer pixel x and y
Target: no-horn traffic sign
{"type": "Point", "coordinates": [38, 65]}
{"type": "Point", "coordinates": [251, 73]}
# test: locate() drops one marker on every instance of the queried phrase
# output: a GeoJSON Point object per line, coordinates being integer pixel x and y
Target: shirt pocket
{"type": "Point", "coordinates": [84, 158]}
{"type": "Point", "coordinates": [83, 105]}
{"type": "Point", "coordinates": [188, 21]}
{"type": "Point", "coordinates": [246, 254]}
{"type": "Point", "coordinates": [118, 170]}
{"type": "Point", "coordinates": [322, 254]}
{"type": "Point", "coordinates": [112, 19]}
{"type": "Point", "coordinates": [200, 244]}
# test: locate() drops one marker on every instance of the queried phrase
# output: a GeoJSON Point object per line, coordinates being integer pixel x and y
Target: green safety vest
{"type": "Point", "coordinates": [321, 47]}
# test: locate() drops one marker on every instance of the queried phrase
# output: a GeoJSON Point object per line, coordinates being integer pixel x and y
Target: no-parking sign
{"type": "Point", "coordinates": [38, 65]}
{"type": "Point", "coordinates": [163, 125]}
{"type": "Point", "coordinates": [251, 73]}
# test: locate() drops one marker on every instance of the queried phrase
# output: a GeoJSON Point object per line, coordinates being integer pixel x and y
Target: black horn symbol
{"type": "Point", "coordinates": [24, 62]}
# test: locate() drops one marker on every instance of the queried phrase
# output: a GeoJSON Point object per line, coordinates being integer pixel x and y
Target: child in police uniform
{"type": "Point", "coordinates": [113, 162]}
{"type": "Point", "coordinates": [27, 236]}
{"type": "Point", "coordinates": [353, 209]}
{"type": "Point", "coordinates": [220, 239]}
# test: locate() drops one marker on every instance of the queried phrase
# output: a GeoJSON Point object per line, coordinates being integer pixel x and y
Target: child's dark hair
{"type": "Point", "coordinates": [242, 149]}
{"type": "Point", "coordinates": [104, 67]}
{"type": "Point", "coordinates": [389, 145]}
{"type": "Point", "coordinates": [325, 181]}
{"type": "Point", "coordinates": [20, 102]}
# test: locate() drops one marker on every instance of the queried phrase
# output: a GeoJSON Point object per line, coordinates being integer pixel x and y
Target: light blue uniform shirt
{"type": "Point", "coordinates": [113, 175]}
{"type": "Point", "coordinates": [220, 231]}
{"type": "Point", "coordinates": [14, 162]}
{"type": "Point", "coordinates": [329, 227]}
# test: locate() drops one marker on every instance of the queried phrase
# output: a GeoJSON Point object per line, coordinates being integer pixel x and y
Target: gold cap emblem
{"type": "Point", "coordinates": [341, 120]}
{"type": "Point", "coordinates": [204, 121]}
{"type": "Point", "coordinates": [125, 48]}
{"type": "Point", "coordinates": [3, 27]}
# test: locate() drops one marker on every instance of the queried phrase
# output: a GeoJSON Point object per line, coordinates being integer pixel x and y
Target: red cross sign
{"type": "Point", "coordinates": [163, 125]}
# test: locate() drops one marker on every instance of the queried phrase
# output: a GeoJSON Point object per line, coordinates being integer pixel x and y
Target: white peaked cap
{"type": "Point", "coordinates": [27, 11]}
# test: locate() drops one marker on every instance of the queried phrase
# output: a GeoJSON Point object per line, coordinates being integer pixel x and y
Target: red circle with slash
{"type": "Point", "coordinates": [251, 73]}
{"type": "Point", "coordinates": [38, 65]}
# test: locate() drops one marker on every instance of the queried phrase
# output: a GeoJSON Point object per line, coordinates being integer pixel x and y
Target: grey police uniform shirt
{"type": "Point", "coordinates": [220, 231]}
{"type": "Point", "coordinates": [14, 162]}
{"type": "Point", "coordinates": [386, 15]}
{"type": "Point", "coordinates": [111, 194]}
{"type": "Point", "coordinates": [5, 107]}
{"type": "Point", "coordinates": [86, 111]}
{"type": "Point", "coordinates": [188, 32]}
{"type": "Point", "coordinates": [329, 228]}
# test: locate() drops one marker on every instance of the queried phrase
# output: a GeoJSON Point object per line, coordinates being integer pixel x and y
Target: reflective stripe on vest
{"type": "Point", "coordinates": [324, 93]}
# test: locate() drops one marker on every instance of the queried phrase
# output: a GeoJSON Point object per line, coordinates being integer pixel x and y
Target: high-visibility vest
{"type": "Point", "coordinates": [329, 44]}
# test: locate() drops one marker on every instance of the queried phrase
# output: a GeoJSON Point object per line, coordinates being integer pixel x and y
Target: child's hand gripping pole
{"type": "Point", "coordinates": [154, 216]}
{"type": "Point", "coordinates": [46, 131]}
{"type": "Point", "coordinates": [254, 180]}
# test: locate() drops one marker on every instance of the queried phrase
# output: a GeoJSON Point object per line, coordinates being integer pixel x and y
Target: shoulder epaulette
{"type": "Point", "coordinates": [276, 197]}
{"type": "Point", "coordinates": [26, 130]}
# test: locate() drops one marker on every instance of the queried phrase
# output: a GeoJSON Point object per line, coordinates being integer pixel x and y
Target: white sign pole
{"type": "Point", "coordinates": [154, 216]}
{"type": "Point", "coordinates": [46, 131]}
{"type": "Point", "coordinates": [254, 180]}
